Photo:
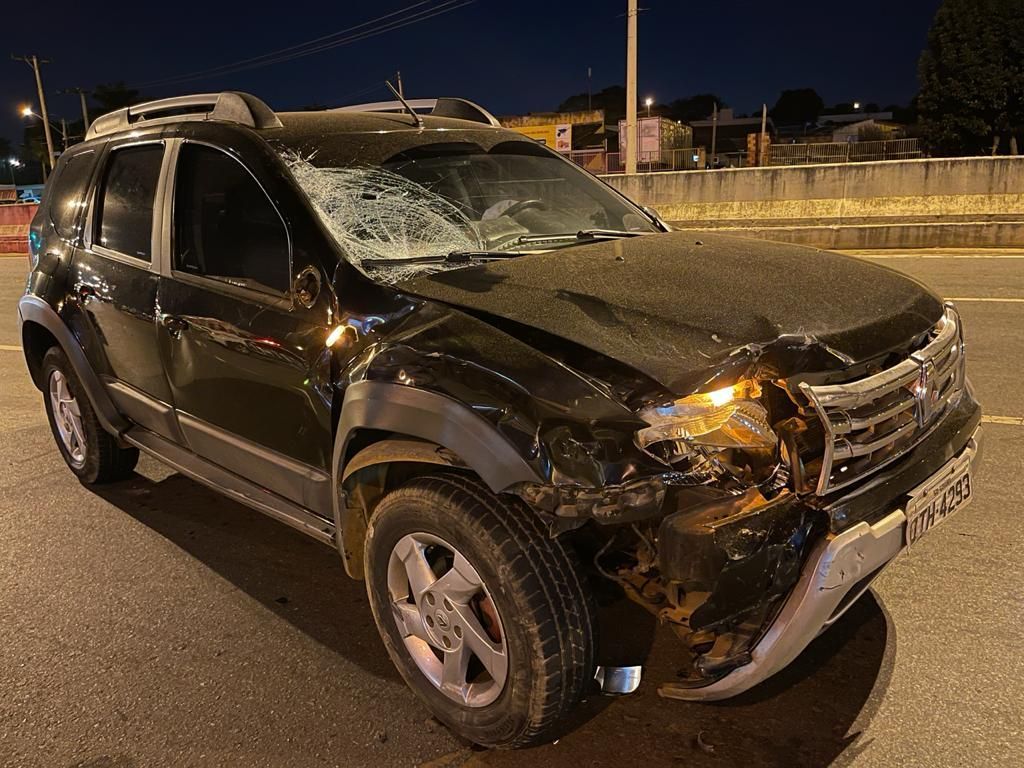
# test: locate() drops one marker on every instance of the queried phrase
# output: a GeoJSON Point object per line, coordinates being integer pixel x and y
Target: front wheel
{"type": "Point", "coordinates": [485, 615]}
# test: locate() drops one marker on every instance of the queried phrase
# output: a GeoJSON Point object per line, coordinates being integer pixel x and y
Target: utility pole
{"type": "Point", "coordinates": [85, 109]}
{"type": "Point", "coordinates": [632, 140]}
{"type": "Point", "coordinates": [714, 133]}
{"type": "Point", "coordinates": [590, 90]}
{"type": "Point", "coordinates": [401, 91]}
{"type": "Point", "coordinates": [34, 62]}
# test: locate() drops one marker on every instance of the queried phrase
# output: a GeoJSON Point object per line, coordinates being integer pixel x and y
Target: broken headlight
{"type": "Point", "coordinates": [726, 418]}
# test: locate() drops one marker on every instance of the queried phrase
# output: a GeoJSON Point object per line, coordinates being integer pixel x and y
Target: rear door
{"type": "Point", "coordinates": [247, 365]}
{"type": "Point", "coordinates": [115, 278]}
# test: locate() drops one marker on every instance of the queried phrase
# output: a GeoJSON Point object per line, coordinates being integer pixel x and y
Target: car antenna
{"type": "Point", "coordinates": [418, 120]}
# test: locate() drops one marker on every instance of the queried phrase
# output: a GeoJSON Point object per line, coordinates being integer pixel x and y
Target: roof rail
{"type": "Point", "coordinates": [443, 107]}
{"type": "Point", "coordinates": [230, 106]}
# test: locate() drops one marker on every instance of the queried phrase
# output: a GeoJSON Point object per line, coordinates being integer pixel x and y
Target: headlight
{"type": "Point", "coordinates": [725, 418]}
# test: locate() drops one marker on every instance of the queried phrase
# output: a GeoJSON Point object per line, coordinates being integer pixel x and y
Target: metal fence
{"type": "Point", "coordinates": [599, 161]}
{"type": "Point", "coordinates": [843, 152]}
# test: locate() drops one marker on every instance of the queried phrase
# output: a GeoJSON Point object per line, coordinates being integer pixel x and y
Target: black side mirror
{"type": "Point", "coordinates": [307, 286]}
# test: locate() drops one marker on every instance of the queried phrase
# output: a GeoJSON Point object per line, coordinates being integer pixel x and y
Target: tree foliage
{"type": "Point", "coordinates": [797, 107]}
{"type": "Point", "coordinates": [111, 96]}
{"type": "Point", "coordinates": [696, 107]}
{"type": "Point", "coordinates": [972, 77]}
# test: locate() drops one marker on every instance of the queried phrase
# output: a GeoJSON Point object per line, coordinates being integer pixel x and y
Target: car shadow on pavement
{"type": "Point", "coordinates": [809, 714]}
{"type": "Point", "coordinates": [299, 579]}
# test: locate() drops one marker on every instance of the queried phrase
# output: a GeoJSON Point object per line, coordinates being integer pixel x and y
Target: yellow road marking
{"type": "Point", "coordinates": [990, 299]}
{"type": "Point", "coordinates": [1013, 421]}
{"type": "Point", "coordinates": [9, 348]}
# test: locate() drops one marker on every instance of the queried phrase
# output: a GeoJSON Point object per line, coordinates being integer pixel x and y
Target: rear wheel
{"type": "Point", "coordinates": [485, 615]}
{"type": "Point", "coordinates": [89, 451]}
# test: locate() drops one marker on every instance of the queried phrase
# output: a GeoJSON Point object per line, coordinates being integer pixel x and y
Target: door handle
{"type": "Point", "coordinates": [86, 292]}
{"type": "Point", "coordinates": [174, 325]}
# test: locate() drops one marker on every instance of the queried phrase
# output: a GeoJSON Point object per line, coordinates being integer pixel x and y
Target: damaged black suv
{"type": "Point", "coordinates": [504, 392]}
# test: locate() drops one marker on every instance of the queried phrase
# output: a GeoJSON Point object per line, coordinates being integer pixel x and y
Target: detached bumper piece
{"type": "Point", "coordinates": [838, 570]}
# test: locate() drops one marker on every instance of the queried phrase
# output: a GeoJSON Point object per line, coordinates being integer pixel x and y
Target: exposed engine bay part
{"type": "Point", "coordinates": [716, 572]}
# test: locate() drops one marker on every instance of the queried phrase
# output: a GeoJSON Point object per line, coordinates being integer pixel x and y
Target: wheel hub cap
{"type": "Point", "coordinates": [67, 416]}
{"type": "Point", "coordinates": [436, 599]}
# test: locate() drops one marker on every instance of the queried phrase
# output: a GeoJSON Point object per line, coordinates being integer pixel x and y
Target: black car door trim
{"type": "Point", "coordinates": [294, 480]}
{"type": "Point", "coordinates": [145, 410]}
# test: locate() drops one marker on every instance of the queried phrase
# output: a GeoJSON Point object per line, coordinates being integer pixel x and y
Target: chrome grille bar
{"type": "Point", "coordinates": [875, 420]}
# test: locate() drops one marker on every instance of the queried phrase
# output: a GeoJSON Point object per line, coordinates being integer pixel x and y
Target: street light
{"type": "Point", "coordinates": [12, 163]}
{"type": "Point", "coordinates": [27, 112]}
{"type": "Point", "coordinates": [647, 103]}
{"type": "Point", "coordinates": [856, 106]}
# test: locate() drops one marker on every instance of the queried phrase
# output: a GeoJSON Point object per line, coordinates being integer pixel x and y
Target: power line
{"type": "Point", "coordinates": [323, 43]}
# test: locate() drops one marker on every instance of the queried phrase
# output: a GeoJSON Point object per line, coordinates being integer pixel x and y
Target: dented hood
{"type": "Point", "coordinates": [674, 305]}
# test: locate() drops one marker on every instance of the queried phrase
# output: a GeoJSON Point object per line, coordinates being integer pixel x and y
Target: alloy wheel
{"type": "Point", "coordinates": [447, 619]}
{"type": "Point", "coordinates": [68, 418]}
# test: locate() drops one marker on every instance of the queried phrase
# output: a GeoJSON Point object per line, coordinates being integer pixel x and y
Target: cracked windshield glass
{"type": "Point", "coordinates": [440, 204]}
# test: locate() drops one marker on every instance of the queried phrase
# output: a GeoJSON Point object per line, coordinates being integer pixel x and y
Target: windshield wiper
{"type": "Point", "coordinates": [455, 257]}
{"type": "Point", "coordinates": [582, 236]}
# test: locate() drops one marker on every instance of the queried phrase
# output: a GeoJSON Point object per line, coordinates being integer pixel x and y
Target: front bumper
{"type": "Point", "coordinates": [838, 570]}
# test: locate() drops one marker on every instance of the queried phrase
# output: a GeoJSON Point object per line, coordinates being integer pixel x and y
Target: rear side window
{"type": "Point", "coordinates": [125, 220]}
{"type": "Point", "coordinates": [225, 226]}
{"type": "Point", "coordinates": [68, 198]}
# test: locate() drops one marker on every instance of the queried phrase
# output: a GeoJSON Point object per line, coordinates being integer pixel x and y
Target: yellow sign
{"type": "Point", "coordinates": [557, 137]}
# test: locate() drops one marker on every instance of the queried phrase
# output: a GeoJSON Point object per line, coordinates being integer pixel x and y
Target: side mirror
{"type": "Point", "coordinates": [307, 286]}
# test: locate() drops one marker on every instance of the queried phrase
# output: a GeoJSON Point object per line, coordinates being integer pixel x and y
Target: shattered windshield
{"type": "Point", "coordinates": [458, 192]}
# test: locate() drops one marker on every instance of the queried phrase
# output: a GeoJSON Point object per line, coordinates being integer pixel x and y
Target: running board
{"type": "Point", "coordinates": [231, 485]}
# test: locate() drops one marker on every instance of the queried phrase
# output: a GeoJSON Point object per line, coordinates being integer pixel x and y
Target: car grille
{"type": "Point", "coordinates": [873, 421]}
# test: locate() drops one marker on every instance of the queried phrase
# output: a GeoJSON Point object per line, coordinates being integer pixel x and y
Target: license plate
{"type": "Point", "coordinates": [939, 499]}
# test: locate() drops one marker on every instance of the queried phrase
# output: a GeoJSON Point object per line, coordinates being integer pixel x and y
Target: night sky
{"type": "Point", "coordinates": [510, 57]}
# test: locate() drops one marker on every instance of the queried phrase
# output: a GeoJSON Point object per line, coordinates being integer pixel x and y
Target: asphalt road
{"type": "Point", "coordinates": [154, 623]}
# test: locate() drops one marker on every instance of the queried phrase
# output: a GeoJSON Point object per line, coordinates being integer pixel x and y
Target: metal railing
{"type": "Point", "coordinates": [599, 161]}
{"type": "Point", "coordinates": [843, 152]}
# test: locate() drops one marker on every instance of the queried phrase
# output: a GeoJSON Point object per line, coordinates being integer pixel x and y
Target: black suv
{"type": "Point", "coordinates": [505, 393]}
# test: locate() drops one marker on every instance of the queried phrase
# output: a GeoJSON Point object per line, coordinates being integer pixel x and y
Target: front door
{"type": "Point", "coordinates": [247, 365]}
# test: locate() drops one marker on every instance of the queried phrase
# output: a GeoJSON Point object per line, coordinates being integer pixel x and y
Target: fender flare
{"type": "Point", "coordinates": [436, 418]}
{"type": "Point", "coordinates": [32, 309]}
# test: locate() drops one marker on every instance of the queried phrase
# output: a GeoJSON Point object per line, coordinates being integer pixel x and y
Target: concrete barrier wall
{"type": "Point", "coordinates": [944, 202]}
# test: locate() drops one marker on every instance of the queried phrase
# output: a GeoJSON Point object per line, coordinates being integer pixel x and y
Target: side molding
{"type": "Point", "coordinates": [35, 310]}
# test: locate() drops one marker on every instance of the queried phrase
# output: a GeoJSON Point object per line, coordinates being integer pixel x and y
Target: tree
{"type": "Point", "coordinates": [696, 107]}
{"type": "Point", "coordinates": [611, 99]}
{"type": "Point", "coordinates": [797, 107]}
{"type": "Point", "coordinates": [111, 96]}
{"type": "Point", "coordinates": [972, 98]}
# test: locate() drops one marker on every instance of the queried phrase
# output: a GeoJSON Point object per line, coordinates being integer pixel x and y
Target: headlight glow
{"type": "Point", "coordinates": [724, 418]}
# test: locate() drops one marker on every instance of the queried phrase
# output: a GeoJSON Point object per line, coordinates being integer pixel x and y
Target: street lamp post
{"type": "Point", "coordinates": [647, 103]}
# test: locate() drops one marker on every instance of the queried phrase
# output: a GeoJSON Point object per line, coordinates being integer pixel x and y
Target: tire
{"type": "Point", "coordinates": [93, 454]}
{"type": "Point", "coordinates": [545, 612]}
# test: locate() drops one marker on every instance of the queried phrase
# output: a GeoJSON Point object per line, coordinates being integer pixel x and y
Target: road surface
{"type": "Point", "coordinates": [154, 623]}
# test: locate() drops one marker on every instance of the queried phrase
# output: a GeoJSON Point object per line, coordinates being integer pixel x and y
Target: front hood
{"type": "Point", "coordinates": [674, 306]}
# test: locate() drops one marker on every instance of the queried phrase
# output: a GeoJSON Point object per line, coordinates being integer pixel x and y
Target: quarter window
{"type": "Point", "coordinates": [69, 194]}
{"type": "Point", "coordinates": [225, 226]}
{"type": "Point", "coordinates": [125, 221]}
